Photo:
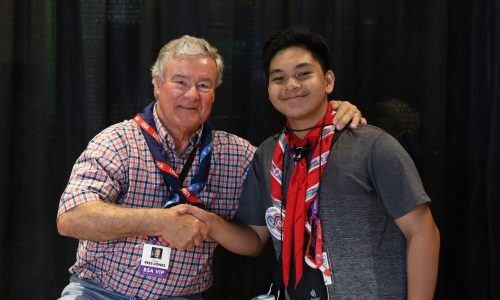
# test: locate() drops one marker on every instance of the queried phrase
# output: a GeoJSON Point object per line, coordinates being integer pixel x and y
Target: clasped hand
{"type": "Point", "coordinates": [180, 229]}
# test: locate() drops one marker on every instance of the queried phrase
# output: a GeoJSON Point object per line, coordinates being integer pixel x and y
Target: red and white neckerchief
{"type": "Point", "coordinates": [302, 192]}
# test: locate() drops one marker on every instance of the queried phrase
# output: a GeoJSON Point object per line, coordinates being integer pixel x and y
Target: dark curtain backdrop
{"type": "Point", "coordinates": [68, 69]}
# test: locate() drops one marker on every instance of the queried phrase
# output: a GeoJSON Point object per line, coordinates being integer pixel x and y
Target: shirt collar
{"type": "Point", "coordinates": [167, 140]}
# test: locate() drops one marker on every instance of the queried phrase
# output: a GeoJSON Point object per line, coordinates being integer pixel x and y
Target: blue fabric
{"type": "Point", "coordinates": [200, 179]}
{"type": "Point", "coordinates": [82, 289]}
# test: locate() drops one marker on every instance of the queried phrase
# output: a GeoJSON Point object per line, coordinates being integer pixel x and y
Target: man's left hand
{"type": "Point", "coordinates": [346, 112]}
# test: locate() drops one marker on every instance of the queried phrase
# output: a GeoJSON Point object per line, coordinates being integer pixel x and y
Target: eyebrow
{"type": "Point", "coordinates": [206, 79]}
{"type": "Point", "coordinates": [180, 75]}
{"type": "Point", "coordinates": [302, 65]}
{"type": "Point", "coordinates": [184, 76]}
{"type": "Point", "coordinates": [299, 66]}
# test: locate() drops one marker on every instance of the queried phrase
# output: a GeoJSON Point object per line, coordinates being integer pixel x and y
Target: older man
{"type": "Point", "coordinates": [127, 187]}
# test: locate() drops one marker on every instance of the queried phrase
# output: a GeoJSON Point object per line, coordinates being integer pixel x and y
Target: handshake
{"type": "Point", "coordinates": [183, 226]}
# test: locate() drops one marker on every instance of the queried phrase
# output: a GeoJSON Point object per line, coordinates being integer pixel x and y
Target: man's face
{"type": "Point", "coordinates": [298, 87]}
{"type": "Point", "coordinates": [186, 94]}
{"type": "Point", "coordinates": [157, 253]}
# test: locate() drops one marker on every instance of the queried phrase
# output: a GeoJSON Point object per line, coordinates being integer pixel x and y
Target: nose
{"type": "Point", "coordinates": [292, 84]}
{"type": "Point", "coordinates": [192, 92]}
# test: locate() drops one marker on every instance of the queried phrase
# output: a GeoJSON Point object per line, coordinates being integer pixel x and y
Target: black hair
{"type": "Point", "coordinates": [297, 37]}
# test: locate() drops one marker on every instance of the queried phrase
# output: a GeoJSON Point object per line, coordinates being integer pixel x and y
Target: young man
{"type": "Point", "coordinates": [347, 211]}
{"type": "Point", "coordinates": [121, 199]}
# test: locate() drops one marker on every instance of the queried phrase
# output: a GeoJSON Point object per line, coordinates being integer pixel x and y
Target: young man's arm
{"type": "Point", "coordinates": [238, 238]}
{"type": "Point", "coordinates": [422, 254]}
{"type": "Point", "coordinates": [102, 221]}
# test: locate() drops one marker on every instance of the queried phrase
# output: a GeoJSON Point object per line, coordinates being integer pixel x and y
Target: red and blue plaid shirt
{"type": "Point", "coordinates": [118, 167]}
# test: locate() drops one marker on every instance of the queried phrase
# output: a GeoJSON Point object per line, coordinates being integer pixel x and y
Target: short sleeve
{"type": "Point", "coordinates": [97, 174]}
{"type": "Point", "coordinates": [395, 177]}
{"type": "Point", "coordinates": [252, 205]}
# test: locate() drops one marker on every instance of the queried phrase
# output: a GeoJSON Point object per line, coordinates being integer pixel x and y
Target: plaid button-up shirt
{"type": "Point", "coordinates": [118, 167]}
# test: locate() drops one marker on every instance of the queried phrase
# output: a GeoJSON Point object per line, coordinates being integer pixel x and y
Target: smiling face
{"type": "Point", "coordinates": [157, 253]}
{"type": "Point", "coordinates": [186, 94]}
{"type": "Point", "coordinates": [298, 87]}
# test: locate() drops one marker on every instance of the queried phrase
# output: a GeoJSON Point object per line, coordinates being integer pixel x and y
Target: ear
{"type": "Point", "coordinates": [156, 86]}
{"type": "Point", "coordinates": [156, 82]}
{"type": "Point", "coordinates": [329, 81]}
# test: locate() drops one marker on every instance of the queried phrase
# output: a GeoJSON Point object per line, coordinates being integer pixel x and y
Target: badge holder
{"type": "Point", "coordinates": [155, 260]}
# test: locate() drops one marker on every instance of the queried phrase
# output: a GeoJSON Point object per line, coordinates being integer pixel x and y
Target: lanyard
{"type": "Point", "coordinates": [314, 225]}
{"type": "Point", "coordinates": [187, 165]}
{"type": "Point", "coordinates": [180, 194]}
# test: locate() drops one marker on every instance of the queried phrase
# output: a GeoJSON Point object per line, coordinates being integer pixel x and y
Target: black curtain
{"type": "Point", "coordinates": [71, 68]}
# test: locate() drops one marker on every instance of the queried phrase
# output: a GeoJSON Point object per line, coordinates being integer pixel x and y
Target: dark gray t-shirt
{"type": "Point", "coordinates": [369, 181]}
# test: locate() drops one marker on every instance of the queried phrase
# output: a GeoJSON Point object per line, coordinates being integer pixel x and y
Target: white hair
{"type": "Point", "coordinates": [186, 46]}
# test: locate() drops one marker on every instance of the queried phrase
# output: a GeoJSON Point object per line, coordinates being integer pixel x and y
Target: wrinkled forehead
{"type": "Point", "coordinates": [192, 66]}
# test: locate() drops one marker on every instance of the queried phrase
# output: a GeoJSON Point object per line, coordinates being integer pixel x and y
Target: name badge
{"type": "Point", "coordinates": [155, 260]}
